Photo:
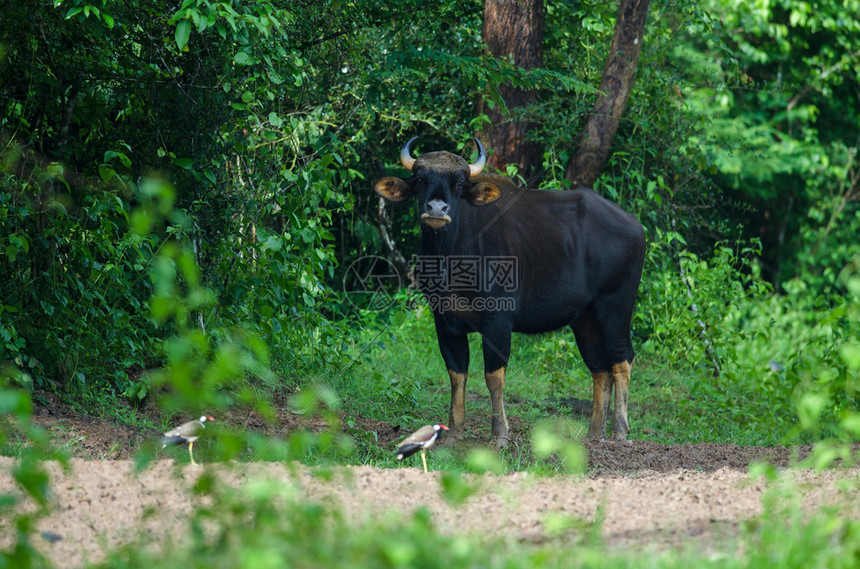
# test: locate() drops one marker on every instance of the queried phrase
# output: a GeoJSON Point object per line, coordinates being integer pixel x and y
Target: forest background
{"type": "Point", "coordinates": [185, 187]}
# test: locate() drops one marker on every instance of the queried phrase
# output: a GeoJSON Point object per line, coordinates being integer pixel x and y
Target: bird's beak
{"type": "Point", "coordinates": [444, 428]}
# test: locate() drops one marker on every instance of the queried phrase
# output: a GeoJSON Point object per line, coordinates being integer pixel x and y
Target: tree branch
{"type": "Point", "coordinates": [588, 161]}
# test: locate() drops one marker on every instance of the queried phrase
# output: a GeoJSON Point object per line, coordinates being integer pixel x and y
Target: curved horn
{"type": "Point", "coordinates": [478, 165]}
{"type": "Point", "coordinates": [405, 158]}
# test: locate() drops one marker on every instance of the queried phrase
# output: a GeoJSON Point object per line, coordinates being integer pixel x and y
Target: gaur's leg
{"type": "Point", "coordinates": [621, 378]}
{"type": "Point", "coordinates": [614, 314]}
{"type": "Point", "coordinates": [602, 393]}
{"type": "Point", "coordinates": [455, 351]}
{"type": "Point", "coordinates": [589, 339]}
{"type": "Point", "coordinates": [497, 350]}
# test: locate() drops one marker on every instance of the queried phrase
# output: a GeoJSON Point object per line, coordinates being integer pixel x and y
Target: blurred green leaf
{"type": "Point", "coordinates": [482, 460]}
{"type": "Point", "coordinates": [456, 489]}
{"type": "Point", "coordinates": [558, 437]}
{"type": "Point", "coordinates": [851, 355]}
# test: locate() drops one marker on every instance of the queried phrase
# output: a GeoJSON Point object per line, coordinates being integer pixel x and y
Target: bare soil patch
{"type": "Point", "coordinates": [101, 504]}
{"type": "Point", "coordinates": [647, 494]}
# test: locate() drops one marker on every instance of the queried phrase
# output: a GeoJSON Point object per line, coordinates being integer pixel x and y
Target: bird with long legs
{"type": "Point", "coordinates": [422, 439]}
{"type": "Point", "coordinates": [186, 433]}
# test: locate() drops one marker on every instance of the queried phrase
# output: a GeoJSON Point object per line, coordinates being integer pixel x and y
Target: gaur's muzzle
{"type": "Point", "coordinates": [435, 214]}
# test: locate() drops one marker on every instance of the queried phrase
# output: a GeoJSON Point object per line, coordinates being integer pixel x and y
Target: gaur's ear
{"type": "Point", "coordinates": [483, 193]}
{"type": "Point", "coordinates": [394, 189]}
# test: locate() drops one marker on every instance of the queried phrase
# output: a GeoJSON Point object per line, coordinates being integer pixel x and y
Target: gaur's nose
{"type": "Point", "coordinates": [436, 208]}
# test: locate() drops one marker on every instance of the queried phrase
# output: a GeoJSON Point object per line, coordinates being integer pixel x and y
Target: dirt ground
{"type": "Point", "coordinates": [648, 494]}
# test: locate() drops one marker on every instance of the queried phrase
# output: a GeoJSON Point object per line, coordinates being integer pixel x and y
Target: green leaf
{"type": "Point", "coordinates": [184, 163]}
{"type": "Point", "coordinates": [106, 173]}
{"type": "Point", "coordinates": [14, 401]}
{"type": "Point", "coordinates": [19, 242]}
{"type": "Point", "coordinates": [161, 307]}
{"type": "Point", "coordinates": [111, 154]}
{"type": "Point", "coordinates": [481, 460]}
{"type": "Point", "coordinates": [399, 554]}
{"type": "Point", "coordinates": [183, 32]}
{"type": "Point", "coordinates": [850, 355]}
{"type": "Point", "coordinates": [851, 422]}
{"type": "Point", "coordinates": [34, 480]}
{"type": "Point", "coordinates": [810, 407]}
{"type": "Point", "coordinates": [141, 222]}
{"type": "Point", "coordinates": [559, 437]}
{"type": "Point", "coordinates": [456, 489]}
{"type": "Point", "coordinates": [242, 58]}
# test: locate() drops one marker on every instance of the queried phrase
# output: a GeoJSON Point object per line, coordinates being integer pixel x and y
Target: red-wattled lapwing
{"type": "Point", "coordinates": [422, 439]}
{"type": "Point", "coordinates": [186, 433]}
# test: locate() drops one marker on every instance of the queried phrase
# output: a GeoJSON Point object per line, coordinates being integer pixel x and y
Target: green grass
{"type": "Point", "coordinates": [394, 373]}
{"type": "Point", "coordinates": [390, 370]}
{"type": "Point", "coordinates": [401, 378]}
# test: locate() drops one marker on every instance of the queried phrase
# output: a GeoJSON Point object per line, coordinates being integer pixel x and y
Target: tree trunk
{"type": "Point", "coordinates": [513, 28]}
{"type": "Point", "coordinates": [615, 86]}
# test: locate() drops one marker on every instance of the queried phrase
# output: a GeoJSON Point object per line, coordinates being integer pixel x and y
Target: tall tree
{"type": "Point", "coordinates": [513, 29]}
{"type": "Point", "coordinates": [615, 85]}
